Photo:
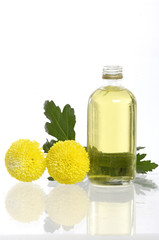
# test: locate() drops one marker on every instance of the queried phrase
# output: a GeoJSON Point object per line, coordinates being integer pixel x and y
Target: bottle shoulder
{"type": "Point", "coordinates": [112, 93]}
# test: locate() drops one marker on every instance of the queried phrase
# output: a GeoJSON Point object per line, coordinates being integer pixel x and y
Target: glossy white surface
{"type": "Point", "coordinates": [48, 210]}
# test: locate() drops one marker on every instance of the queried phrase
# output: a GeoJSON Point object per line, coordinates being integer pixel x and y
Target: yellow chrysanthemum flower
{"type": "Point", "coordinates": [25, 161]}
{"type": "Point", "coordinates": [67, 162]}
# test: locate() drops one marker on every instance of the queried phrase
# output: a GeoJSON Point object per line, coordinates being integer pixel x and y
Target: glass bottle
{"type": "Point", "coordinates": [111, 131]}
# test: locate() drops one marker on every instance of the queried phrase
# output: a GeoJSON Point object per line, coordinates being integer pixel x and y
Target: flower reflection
{"type": "Point", "coordinates": [25, 202]}
{"type": "Point", "coordinates": [67, 205]}
{"type": "Point", "coordinates": [111, 210]}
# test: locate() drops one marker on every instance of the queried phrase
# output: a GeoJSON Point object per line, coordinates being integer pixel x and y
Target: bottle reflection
{"type": "Point", "coordinates": [25, 202]}
{"type": "Point", "coordinates": [111, 210]}
{"type": "Point", "coordinates": [67, 205]}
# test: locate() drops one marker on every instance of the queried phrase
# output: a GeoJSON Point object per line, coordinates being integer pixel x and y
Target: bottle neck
{"type": "Point", "coordinates": [112, 82]}
{"type": "Point", "coordinates": [112, 76]}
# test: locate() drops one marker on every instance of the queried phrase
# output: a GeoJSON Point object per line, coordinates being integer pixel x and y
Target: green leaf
{"type": "Point", "coordinates": [140, 156]}
{"type": "Point", "coordinates": [50, 179]}
{"type": "Point", "coordinates": [61, 125]}
{"type": "Point", "coordinates": [118, 163]}
{"type": "Point", "coordinates": [138, 148]}
{"type": "Point", "coordinates": [145, 166]}
{"type": "Point", "coordinates": [48, 145]}
{"type": "Point", "coordinates": [111, 164]}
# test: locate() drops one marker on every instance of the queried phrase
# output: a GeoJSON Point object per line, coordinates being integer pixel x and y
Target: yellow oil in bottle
{"type": "Point", "coordinates": [112, 134]}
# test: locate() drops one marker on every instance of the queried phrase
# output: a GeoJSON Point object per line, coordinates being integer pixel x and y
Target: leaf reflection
{"type": "Point", "coordinates": [142, 185]}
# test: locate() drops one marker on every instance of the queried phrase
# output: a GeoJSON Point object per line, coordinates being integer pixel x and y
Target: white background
{"type": "Point", "coordinates": [55, 50]}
